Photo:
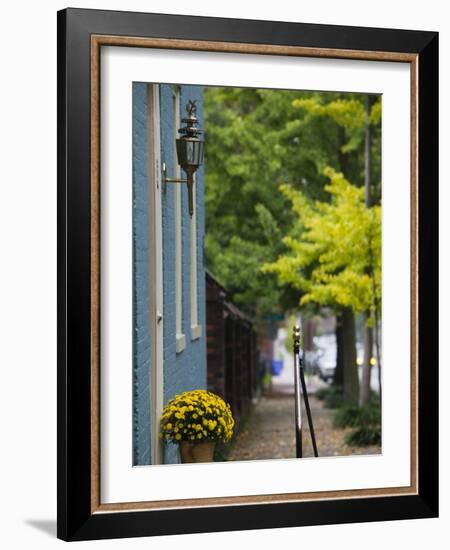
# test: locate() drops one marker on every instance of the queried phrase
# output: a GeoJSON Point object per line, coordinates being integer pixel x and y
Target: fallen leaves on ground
{"type": "Point", "coordinates": [269, 432]}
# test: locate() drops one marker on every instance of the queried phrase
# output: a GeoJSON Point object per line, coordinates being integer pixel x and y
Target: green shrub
{"type": "Point", "coordinates": [374, 399]}
{"type": "Point", "coordinates": [334, 399]}
{"type": "Point", "coordinates": [348, 415]}
{"type": "Point", "coordinates": [353, 416]}
{"type": "Point", "coordinates": [332, 396]}
{"type": "Point", "coordinates": [365, 421]}
{"type": "Point", "coordinates": [365, 435]}
{"type": "Point", "coordinates": [322, 393]}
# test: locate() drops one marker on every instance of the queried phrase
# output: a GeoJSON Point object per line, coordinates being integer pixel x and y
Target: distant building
{"type": "Point", "coordinates": [233, 361]}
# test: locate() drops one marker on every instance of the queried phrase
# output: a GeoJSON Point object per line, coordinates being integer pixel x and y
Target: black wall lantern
{"type": "Point", "coordinates": [190, 149]}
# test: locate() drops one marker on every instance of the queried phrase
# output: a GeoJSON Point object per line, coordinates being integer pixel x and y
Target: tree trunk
{"type": "Point", "coordinates": [364, 395]}
{"type": "Point", "coordinates": [351, 381]}
{"type": "Point", "coordinates": [377, 347]}
{"type": "Point", "coordinates": [308, 331]}
{"type": "Point", "coordinates": [338, 378]}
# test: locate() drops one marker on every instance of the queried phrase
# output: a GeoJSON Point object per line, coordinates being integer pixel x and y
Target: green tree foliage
{"type": "Point", "coordinates": [255, 140]}
{"type": "Point", "coordinates": [348, 113]}
{"type": "Point", "coordinates": [331, 246]}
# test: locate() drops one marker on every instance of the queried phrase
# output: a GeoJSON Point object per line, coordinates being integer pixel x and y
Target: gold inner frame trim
{"type": "Point", "coordinates": [97, 41]}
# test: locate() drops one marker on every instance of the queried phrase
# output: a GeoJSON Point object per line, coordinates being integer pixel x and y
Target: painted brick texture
{"type": "Point", "coordinates": [141, 321]}
{"type": "Point", "coordinates": [185, 370]}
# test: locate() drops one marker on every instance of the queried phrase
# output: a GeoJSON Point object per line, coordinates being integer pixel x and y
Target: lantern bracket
{"type": "Point", "coordinates": [167, 180]}
{"type": "Point", "coordinates": [189, 181]}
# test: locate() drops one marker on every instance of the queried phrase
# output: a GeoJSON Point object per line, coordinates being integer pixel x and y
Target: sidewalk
{"type": "Point", "coordinates": [269, 432]}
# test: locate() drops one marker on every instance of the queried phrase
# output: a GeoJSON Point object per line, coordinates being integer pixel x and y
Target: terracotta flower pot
{"type": "Point", "coordinates": [197, 452]}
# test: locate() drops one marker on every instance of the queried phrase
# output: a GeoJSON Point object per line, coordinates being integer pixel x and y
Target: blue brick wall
{"type": "Point", "coordinates": [185, 370]}
{"type": "Point", "coordinates": [141, 321]}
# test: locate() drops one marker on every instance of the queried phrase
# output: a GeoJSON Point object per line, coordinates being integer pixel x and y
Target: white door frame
{"type": "Point", "coordinates": [155, 270]}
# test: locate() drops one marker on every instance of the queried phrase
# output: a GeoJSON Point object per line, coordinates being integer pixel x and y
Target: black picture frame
{"type": "Point", "coordinates": [76, 521]}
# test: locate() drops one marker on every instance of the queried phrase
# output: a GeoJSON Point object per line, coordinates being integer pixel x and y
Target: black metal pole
{"type": "Point", "coordinates": [298, 407]}
{"type": "Point", "coordinates": [308, 410]}
{"type": "Point", "coordinates": [300, 383]}
{"type": "Point", "coordinates": [298, 411]}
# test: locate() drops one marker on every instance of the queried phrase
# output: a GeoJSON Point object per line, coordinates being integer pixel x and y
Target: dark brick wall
{"type": "Point", "coordinates": [232, 353]}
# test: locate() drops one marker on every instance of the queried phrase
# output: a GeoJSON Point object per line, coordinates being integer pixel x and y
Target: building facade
{"type": "Point", "coordinates": [169, 325]}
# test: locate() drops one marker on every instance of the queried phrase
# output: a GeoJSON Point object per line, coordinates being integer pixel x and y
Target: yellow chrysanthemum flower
{"type": "Point", "coordinates": [204, 414]}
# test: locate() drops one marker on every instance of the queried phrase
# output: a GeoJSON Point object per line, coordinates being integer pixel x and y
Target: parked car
{"type": "Point", "coordinates": [323, 363]}
{"type": "Point", "coordinates": [310, 358]}
{"type": "Point", "coordinates": [326, 356]}
{"type": "Point", "coordinates": [326, 364]}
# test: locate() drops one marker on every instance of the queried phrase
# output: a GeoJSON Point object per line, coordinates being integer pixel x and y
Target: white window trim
{"type": "Point", "coordinates": [180, 342]}
{"type": "Point", "coordinates": [196, 329]}
{"type": "Point", "coordinates": [196, 332]}
{"type": "Point", "coordinates": [180, 337]}
{"type": "Point", "coordinates": [155, 271]}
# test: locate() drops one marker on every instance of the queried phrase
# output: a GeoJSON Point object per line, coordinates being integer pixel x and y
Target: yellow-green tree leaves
{"type": "Point", "coordinates": [334, 249]}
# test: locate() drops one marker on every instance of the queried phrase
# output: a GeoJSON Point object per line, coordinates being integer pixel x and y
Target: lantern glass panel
{"type": "Point", "coordinates": [200, 149]}
{"type": "Point", "coordinates": [189, 152]}
{"type": "Point", "coordinates": [190, 156]}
